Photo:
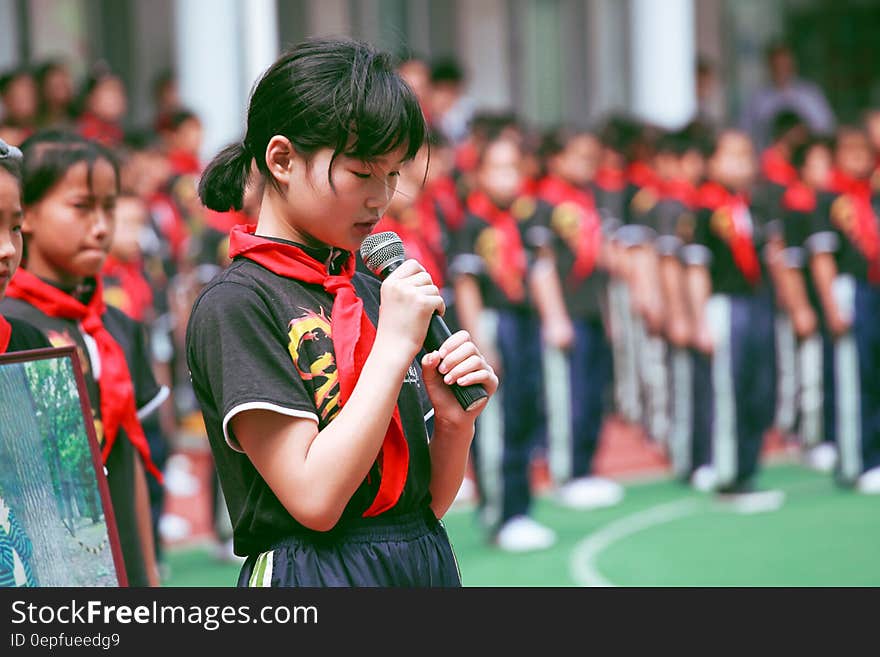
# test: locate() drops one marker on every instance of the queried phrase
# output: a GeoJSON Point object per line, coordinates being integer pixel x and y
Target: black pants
{"type": "Point", "coordinates": [410, 550]}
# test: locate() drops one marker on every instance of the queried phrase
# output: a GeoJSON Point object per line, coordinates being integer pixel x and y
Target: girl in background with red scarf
{"type": "Point", "coordinates": [733, 305]}
{"type": "Point", "coordinates": [493, 301]}
{"type": "Point", "coordinates": [318, 411]}
{"type": "Point", "coordinates": [70, 187]}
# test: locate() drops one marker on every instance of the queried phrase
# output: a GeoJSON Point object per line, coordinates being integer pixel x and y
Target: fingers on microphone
{"type": "Point", "coordinates": [411, 267]}
{"type": "Point", "coordinates": [457, 355]}
{"type": "Point", "coordinates": [454, 341]}
{"type": "Point", "coordinates": [469, 365]}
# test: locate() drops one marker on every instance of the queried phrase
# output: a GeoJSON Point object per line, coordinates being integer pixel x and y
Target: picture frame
{"type": "Point", "coordinates": [57, 526]}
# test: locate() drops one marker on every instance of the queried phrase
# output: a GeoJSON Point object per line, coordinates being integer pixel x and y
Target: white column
{"type": "Point", "coordinates": [663, 53]}
{"type": "Point", "coordinates": [484, 27]}
{"type": "Point", "coordinates": [8, 34]}
{"type": "Point", "coordinates": [329, 17]}
{"type": "Point", "coordinates": [605, 32]}
{"type": "Point", "coordinates": [209, 65]}
{"type": "Point", "coordinates": [259, 19]}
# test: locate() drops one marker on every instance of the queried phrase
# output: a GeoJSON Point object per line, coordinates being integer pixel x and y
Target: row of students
{"type": "Point", "coordinates": [59, 209]}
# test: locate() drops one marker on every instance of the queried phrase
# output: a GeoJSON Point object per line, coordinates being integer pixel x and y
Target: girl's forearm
{"type": "Point", "coordinates": [314, 473]}
{"type": "Point", "coordinates": [449, 454]}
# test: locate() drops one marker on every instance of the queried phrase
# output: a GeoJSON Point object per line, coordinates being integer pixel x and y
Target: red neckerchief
{"type": "Point", "coordinates": [138, 294]}
{"type": "Point", "coordinates": [714, 196]}
{"type": "Point", "coordinates": [641, 175]}
{"type": "Point", "coordinates": [428, 223]}
{"type": "Point", "coordinates": [104, 132]}
{"type": "Point", "coordinates": [407, 228]}
{"type": "Point", "coordinates": [776, 168]}
{"type": "Point", "coordinates": [610, 180]}
{"type": "Point", "coordinates": [509, 269]}
{"type": "Point", "coordinates": [466, 156]}
{"type": "Point", "coordinates": [866, 231]}
{"type": "Point", "coordinates": [170, 223]}
{"type": "Point", "coordinates": [352, 333]}
{"type": "Point", "coordinates": [445, 194]}
{"type": "Point", "coordinates": [680, 190]}
{"type": "Point", "coordinates": [5, 334]}
{"type": "Point", "coordinates": [556, 191]}
{"type": "Point", "coordinates": [118, 409]}
{"type": "Point", "coordinates": [529, 187]}
{"type": "Point", "coordinates": [184, 163]}
{"type": "Point", "coordinates": [799, 197]}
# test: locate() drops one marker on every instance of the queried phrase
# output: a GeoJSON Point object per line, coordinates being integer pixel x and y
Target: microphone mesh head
{"type": "Point", "coordinates": [382, 249]}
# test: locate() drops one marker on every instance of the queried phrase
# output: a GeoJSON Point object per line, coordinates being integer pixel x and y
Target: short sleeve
{"type": "Point", "coordinates": [149, 395]}
{"type": "Point", "coordinates": [823, 236]}
{"type": "Point", "coordinates": [697, 251]}
{"type": "Point", "coordinates": [239, 358]}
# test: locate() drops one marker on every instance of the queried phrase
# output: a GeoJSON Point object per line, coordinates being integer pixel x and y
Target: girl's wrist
{"type": "Point", "coordinates": [394, 353]}
{"type": "Point", "coordinates": [448, 429]}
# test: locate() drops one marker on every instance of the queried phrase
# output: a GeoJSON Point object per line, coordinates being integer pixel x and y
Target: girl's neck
{"type": "Point", "coordinates": [273, 222]}
{"type": "Point", "coordinates": [38, 266]}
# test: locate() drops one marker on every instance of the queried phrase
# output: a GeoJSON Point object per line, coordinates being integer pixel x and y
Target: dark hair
{"type": "Point", "coordinates": [179, 117]}
{"type": "Point", "coordinates": [776, 47]}
{"type": "Point", "coordinates": [10, 76]}
{"type": "Point", "coordinates": [446, 69]}
{"type": "Point", "coordinates": [141, 139]}
{"type": "Point", "coordinates": [323, 93]}
{"type": "Point", "coordinates": [164, 78]}
{"type": "Point", "coordinates": [49, 155]}
{"type": "Point", "coordinates": [704, 65]}
{"type": "Point", "coordinates": [784, 121]}
{"type": "Point", "coordinates": [10, 160]}
{"type": "Point", "coordinates": [799, 153]}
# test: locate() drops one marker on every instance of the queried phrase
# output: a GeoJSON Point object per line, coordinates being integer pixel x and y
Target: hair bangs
{"type": "Point", "coordinates": [387, 118]}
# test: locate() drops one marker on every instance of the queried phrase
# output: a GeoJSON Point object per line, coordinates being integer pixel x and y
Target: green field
{"type": "Point", "coordinates": [664, 534]}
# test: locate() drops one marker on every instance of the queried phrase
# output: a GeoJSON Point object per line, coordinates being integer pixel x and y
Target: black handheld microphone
{"type": "Point", "coordinates": [382, 253]}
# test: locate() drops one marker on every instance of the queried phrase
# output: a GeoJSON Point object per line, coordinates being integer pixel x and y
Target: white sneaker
{"type": "Point", "coordinates": [590, 493]}
{"type": "Point", "coordinates": [522, 534]}
{"type": "Point", "coordinates": [704, 479]}
{"type": "Point", "coordinates": [822, 457]}
{"type": "Point", "coordinates": [869, 482]}
{"type": "Point", "coordinates": [754, 502]}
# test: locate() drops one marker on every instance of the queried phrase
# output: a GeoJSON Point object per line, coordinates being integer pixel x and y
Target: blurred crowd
{"type": "Point", "coordinates": [708, 283]}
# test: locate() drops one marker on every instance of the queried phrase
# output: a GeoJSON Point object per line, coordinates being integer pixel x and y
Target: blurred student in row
{"type": "Point", "coordinates": [730, 290]}
{"type": "Point", "coordinates": [70, 188]}
{"type": "Point", "coordinates": [490, 273]}
{"type": "Point", "coordinates": [569, 282]}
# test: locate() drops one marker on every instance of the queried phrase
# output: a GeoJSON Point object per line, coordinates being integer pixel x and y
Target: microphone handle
{"type": "Point", "coordinates": [468, 396]}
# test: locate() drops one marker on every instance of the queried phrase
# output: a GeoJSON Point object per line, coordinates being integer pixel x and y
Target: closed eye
{"type": "Point", "coordinates": [362, 175]}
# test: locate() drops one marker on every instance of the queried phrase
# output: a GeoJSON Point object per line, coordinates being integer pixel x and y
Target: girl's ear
{"type": "Point", "coordinates": [280, 156]}
{"type": "Point", "coordinates": [27, 222]}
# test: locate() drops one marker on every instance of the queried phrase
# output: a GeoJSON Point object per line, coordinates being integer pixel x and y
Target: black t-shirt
{"type": "Point", "coordinates": [804, 237]}
{"type": "Point", "coordinates": [638, 216]}
{"type": "Point", "coordinates": [558, 228]}
{"type": "Point", "coordinates": [148, 396]}
{"type": "Point", "coordinates": [477, 251]}
{"type": "Point", "coordinates": [674, 223]}
{"type": "Point", "coordinates": [711, 247]}
{"type": "Point", "coordinates": [834, 230]}
{"type": "Point", "coordinates": [259, 340]}
{"type": "Point", "coordinates": [25, 336]}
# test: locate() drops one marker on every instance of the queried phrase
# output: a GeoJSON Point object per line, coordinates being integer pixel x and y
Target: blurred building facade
{"type": "Point", "coordinates": [549, 60]}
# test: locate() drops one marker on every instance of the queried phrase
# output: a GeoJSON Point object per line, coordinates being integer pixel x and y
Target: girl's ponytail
{"type": "Point", "coordinates": [223, 182]}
